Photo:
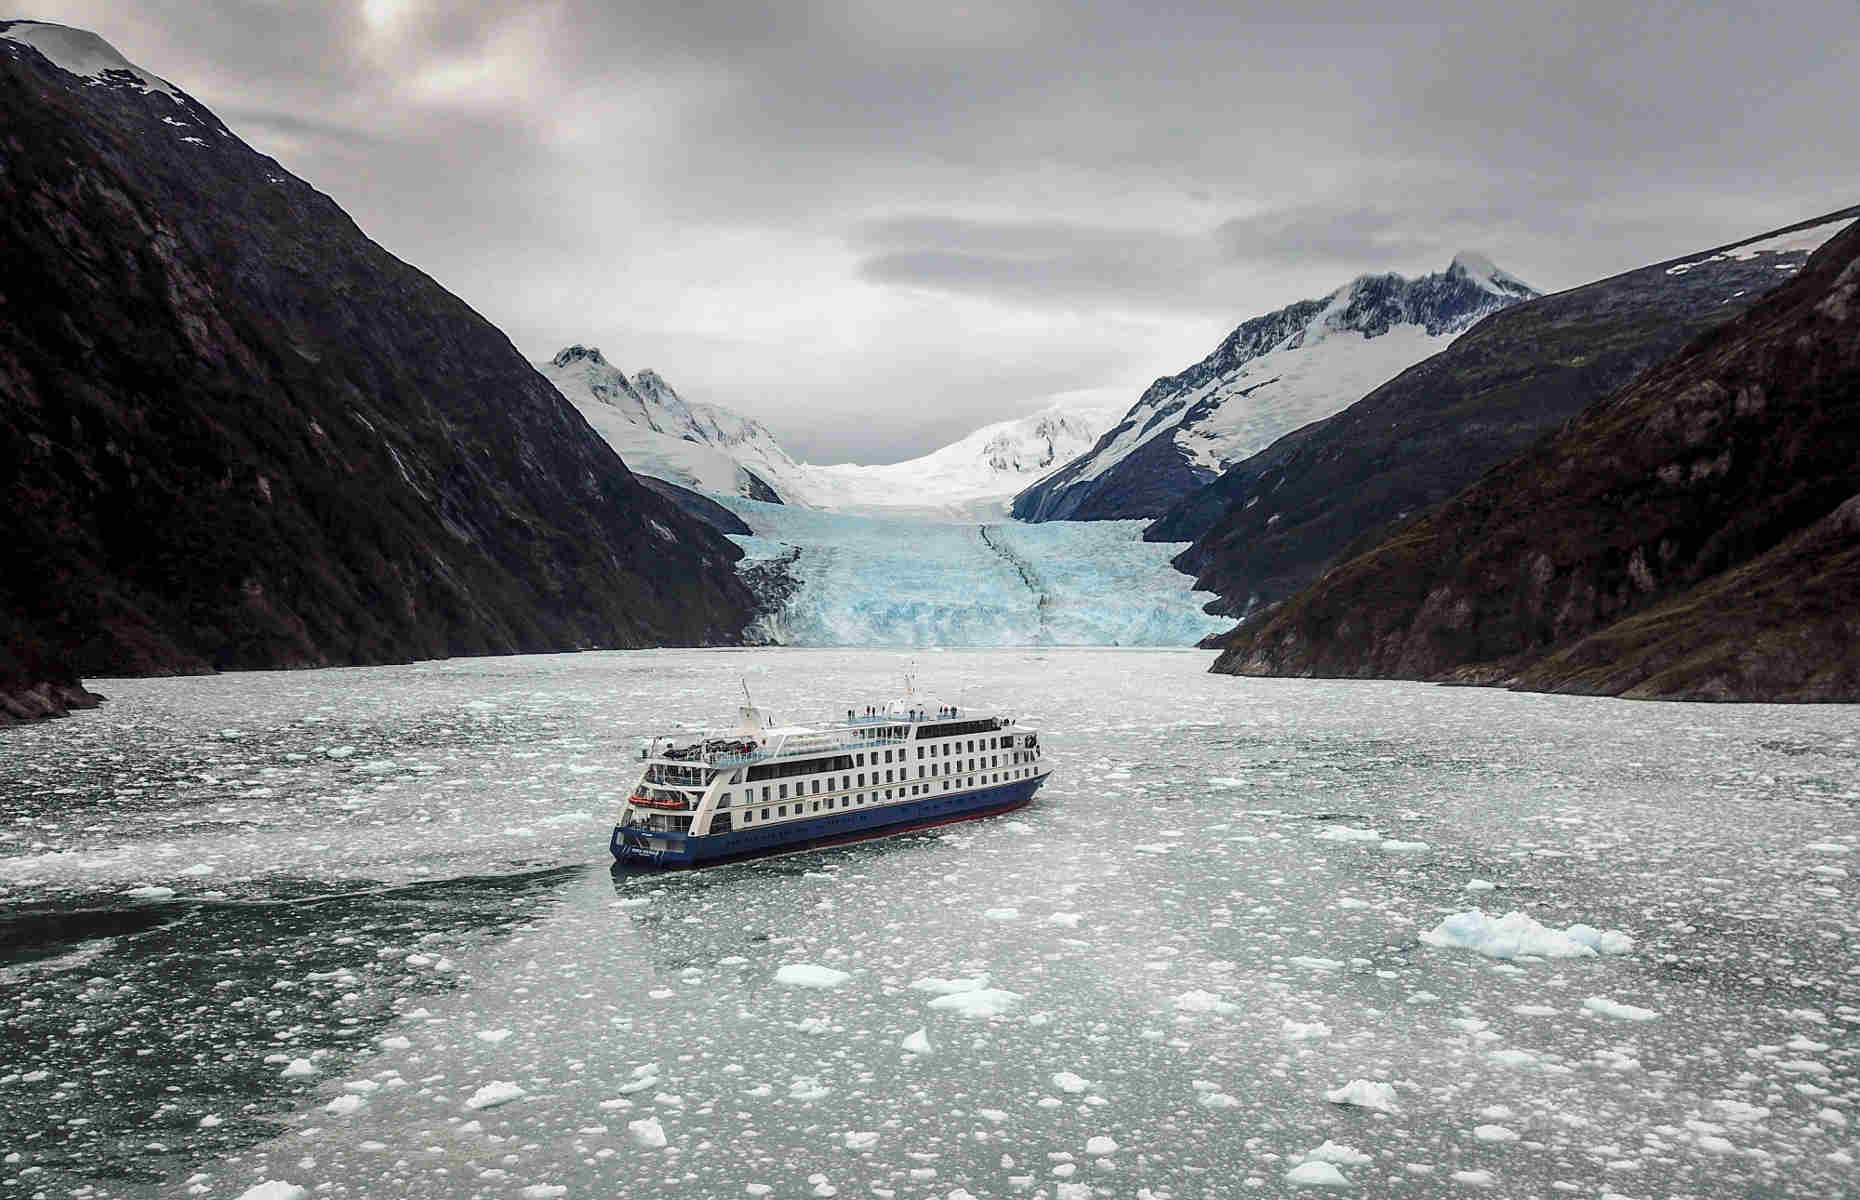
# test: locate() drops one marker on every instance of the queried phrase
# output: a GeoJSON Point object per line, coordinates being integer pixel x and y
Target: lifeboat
{"type": "Point", "coordinates": [651, 802]}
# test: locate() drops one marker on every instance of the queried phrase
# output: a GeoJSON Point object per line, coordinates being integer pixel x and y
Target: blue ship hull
{"type": "Point", "coordinates": [650, 848]}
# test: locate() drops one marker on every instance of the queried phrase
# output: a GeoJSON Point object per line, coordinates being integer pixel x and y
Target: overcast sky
{"type": "Point", "coordinates": [875, 224]}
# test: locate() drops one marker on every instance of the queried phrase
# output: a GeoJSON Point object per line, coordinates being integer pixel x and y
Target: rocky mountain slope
{"type": "Point", "coordinates": [1267, 378]}
{"type": "Point", "coordinates": [234, 432]}
{"type": "Point", "coordinates": [1694, 535]}
{"type": "Point", "coordinates": [1268, 525]}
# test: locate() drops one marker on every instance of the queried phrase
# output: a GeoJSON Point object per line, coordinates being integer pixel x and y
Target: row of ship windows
{"type": "Point", "coordinates": [839, 762]}
{"type": "Point", "coordinates": [846, 782]}
{"type": "Point", "coordinates": [751, 816]}
{"type": "Point", "coordinates": [941, 749]}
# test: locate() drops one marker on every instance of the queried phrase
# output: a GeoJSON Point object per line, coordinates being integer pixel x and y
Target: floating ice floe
{"type": "Point", "coordinates": [1198, 1001]}
{"type": "Point", "coordinates": [1348, 833]}
{"type": "Point", "coordinates": [1364, 1093]}
{"type": "Point", "coordinates": [860, 1139]}
{"type": "Point", "coordinates": [493, 1094]}
{"type": "Point", "coordinates": [808, 1089]}
{"type": "Point", "coordinates": [1072, 1084]}
{"type": "Point", "coordinates": [810, 975]}
{"type": "Point", "coordinates": [1100, 1146]}
{"type": "Point", "coordinates": [1304, 1031]}
{"type": "Point", "coordinates": [274, 1189]}
{"type": "Point", "coordinates": [647, 1132]}
{"type": "Point", "coordinates": [1395, 846]}
{"type": "Point", "coordinates": [1494, 1133]}
{"type": "Point", "coordinates": [979, 1004]}
{"type": "Point", "coordinates": [1617, 1010]}
{"type": "Point", "coordinates": [916, 1043]}
{"type": "Point", "coordinates": [1516, 935]}
{"type": "Point", "coordinates": [297, 1068]}
{"type": "Point", "coordinates": [344, 1105]}
{"type": "Point", "coordinates": [1335, 1152]}
{"type": "Point", "coordinates": [1738, 1110]}
{"type": "Point", "coordinates": [1316, 1174]}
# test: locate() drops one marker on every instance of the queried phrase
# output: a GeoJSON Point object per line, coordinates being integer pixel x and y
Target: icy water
{"type": "Point", "coordinates": [1226, 952]}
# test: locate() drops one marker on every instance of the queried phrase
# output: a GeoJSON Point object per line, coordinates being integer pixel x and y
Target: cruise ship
{"type": "Point", "coordinates": [762, 789]}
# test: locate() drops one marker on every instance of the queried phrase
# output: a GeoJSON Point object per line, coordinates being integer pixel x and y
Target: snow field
{"type": "Point", "coordinates": [1794, 247]}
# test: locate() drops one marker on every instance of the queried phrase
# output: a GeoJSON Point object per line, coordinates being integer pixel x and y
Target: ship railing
{"type": "Point", "coordinates": [794, 746]}
{"type": "Point", "coordinates": [922, 718]}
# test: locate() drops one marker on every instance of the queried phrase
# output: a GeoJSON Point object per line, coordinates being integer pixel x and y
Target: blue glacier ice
{"type": "Point", "coordinates": [887, 581]}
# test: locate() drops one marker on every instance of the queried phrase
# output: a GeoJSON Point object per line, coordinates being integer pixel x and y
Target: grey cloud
{"type": "Point", "coordinates": [254, 125]}
{"type": "Point", "coordinates": [1355, 236]}
{"type": "Point", "coordinates": [1036, 262]}
{"type": "Point", "coordinates": [1301, 145]}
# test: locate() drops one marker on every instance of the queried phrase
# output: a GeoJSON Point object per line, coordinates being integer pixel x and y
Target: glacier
{"type": "Point", "coordinates": [860, 580]}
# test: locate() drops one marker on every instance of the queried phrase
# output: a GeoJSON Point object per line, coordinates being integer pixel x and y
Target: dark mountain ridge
{"type": "Point", "coordinates": [1270, 524]}
{"type": "Point", "coordinates": [1694, 535]}
{"type": "Point", "coordinates": [237, 433]}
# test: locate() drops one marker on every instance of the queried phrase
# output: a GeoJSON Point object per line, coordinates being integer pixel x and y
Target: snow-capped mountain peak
{"type": "Point", "coordinates": [657, 433]}
{"type": "Point", "coordinates": [666, 408]}
{"type": "Point", "coordinates": [82, 53]}
{"type": "Point", "coordinates": [1036, 444]}
{"type": "Point", "coordinates": [1481, 272]}
{"type": "Point", "coordinates": [715, 449]}
{"type": "Point", "coordinates": [1273, 374]}
{"type": "Point", "coordinates": [972, 477]}
{"type": "Point", "coordinates": [578, 353]}
{"type": "Point", "coordinates": [653, 389]}
{"type": "Point", "coordinates": [579, 371]}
